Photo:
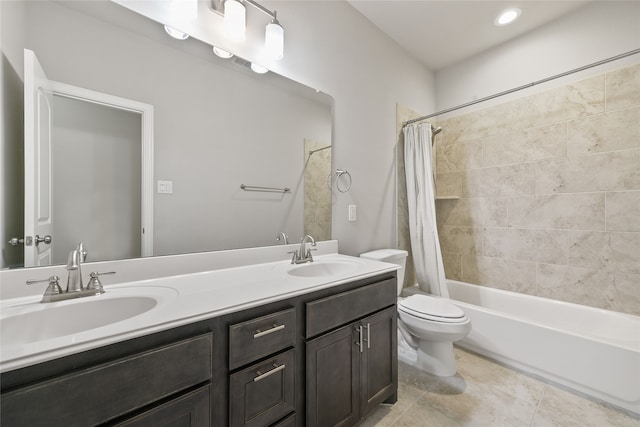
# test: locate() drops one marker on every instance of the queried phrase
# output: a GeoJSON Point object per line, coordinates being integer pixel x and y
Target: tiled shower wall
{"type": "Point", "coordinates": [317, 195]}
{"type": "Point", "coordinates": [549, 193]}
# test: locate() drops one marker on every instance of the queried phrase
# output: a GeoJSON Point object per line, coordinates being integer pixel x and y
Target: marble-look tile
{"type": "Point", "coordinates": [461, 240]}
{"type": "Point", "coordinates": [474, 125]}
{"type": "Point", "coordinates": [563, 211]}
{"type": "Point", "coordinates": [618, 170]}
{"type": "Point", "coordinates": [452, 266]}
{"type": "Point", "coordinates": [585, 286]}
{"type": "Point", "coordinates": [614, 130]}
{"type": "Point", "coordinates": [560, 408]}
{"type": "Point", "coordinates": [623, 87]}
{"type": "Point", "coordinates": [449, 184]}
{"type": "Point", "coordinates": [547, 246]}
{"type": "Point", "coordinates": [627, 294]}
{"type": "Point", "coordinates": [510, 275]}
{"type": "Point", "coordinates": [476, 212]}
{"type": "Point", "coordinates": [525, 146]}
{"type": "Point", "coordinates": [458, 157]}
{"type": "Point", "coordinates": [481, 394]}
{"type": "Point", "coordinates": [623, 211]}
{"type": "Point", "coordinates": [617, 251]}
{"type": "Point", "coordinates": [512, 180]}
{"type": "Point", "coordinates": [485, 393]}
{"type": "Point", "coordinates": [567, 102]}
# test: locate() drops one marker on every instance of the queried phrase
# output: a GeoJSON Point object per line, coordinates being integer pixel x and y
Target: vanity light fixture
{"type": "Point", "coordinates": [181, 11]}
{"type": "Point", "coordinates": [235, 20]}
{"type": "Point", "coordinates": [258, 68]}
{"type": "Point", "coordinates": [274, 39]}
{"type": "Point", "coordinates": [234, 13]}
{"type": "Point", "coordinates": [222, 53]}
{"type": "Point", "coordinates": [507, 17]}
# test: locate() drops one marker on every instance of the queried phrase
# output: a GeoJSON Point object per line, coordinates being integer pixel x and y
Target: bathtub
{"type": "Point", "coordinates": [593, 351]}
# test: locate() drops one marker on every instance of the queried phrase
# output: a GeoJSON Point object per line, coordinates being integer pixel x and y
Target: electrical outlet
{"type": "Point", "coordinates": [352, 212]}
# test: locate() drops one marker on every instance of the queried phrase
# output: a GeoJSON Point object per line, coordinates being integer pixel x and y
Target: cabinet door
{"type": "Point", "coordinates": [333, 376]}
{"type": "Point", "coordinates": [190, 410]}
{"type": "Point", "coordinates": [379, 379]}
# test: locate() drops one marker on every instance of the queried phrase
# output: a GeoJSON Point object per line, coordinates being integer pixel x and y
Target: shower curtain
{"type": "Point", "coordinates": [425, 245]}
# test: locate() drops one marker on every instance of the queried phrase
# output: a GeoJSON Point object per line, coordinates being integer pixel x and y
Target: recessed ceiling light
{"type": "Point", "coordinates": [507, 17]}
{"type": "Point", "coordinates": [175, 33]}
{"type": "Point", "coordinates": [258, 68]}
{"type": "Point", "coordinates": [222, 53]}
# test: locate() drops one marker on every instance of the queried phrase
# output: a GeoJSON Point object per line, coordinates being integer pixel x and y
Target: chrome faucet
{"type": "Point", "coordinates": [303, 255]}
{"type": "Point", "coordinates": [74, 277]}
{"type": "Point", "coordinates": [283, 237]}
{"type": "Point", "coordinates": [75, 288]}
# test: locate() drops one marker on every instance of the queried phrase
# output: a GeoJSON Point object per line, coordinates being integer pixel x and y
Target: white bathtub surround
{"type": "Point", "coordinates": [195, 287]}
{"type": "Point", "coordinates": [593, 351]}
{"type": "Point", "coordinates": [425, 246]}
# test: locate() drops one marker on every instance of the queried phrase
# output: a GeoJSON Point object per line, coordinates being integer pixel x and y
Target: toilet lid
{"type": "Point", "coordinates": [431, 308]}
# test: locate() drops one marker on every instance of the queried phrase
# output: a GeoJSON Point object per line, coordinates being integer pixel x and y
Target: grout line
{"type": "Point", "coordinates": [535, 412]}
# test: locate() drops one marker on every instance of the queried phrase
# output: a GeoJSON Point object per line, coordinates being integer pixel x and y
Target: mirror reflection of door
{"type": "Point", "coordinates": [38, 209]}
{"type": "Point", "coordinates": [97, 193]}
{"type": "Point", "coordinates": [88, 172]}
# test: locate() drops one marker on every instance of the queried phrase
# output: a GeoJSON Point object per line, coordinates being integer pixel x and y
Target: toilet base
{"type": "Point", "coordinates": [436, 358]}
{"type": "Point", "coordinates": [440, 361]}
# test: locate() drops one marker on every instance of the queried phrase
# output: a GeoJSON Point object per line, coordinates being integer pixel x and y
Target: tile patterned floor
{"type": "Point", "coordinates": [484, 393]}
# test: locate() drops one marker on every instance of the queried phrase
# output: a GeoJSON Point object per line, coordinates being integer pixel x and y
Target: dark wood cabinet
{"type": "Point", "coordinates": [333, 373]}
{"type": "Point", "coordinates": [189, 410]}
{"type": "Point", "coordinates": [322, 358]}
{"type": "Point", "coordinates": [104, 392]}
{"type": "Point", "coordinates": [352, 369]}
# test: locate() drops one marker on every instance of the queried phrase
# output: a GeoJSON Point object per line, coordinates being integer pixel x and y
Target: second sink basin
{"type": "Point", "coordinates": [39, 322]}
{"type": "Point", "coordinates": [323, 268]}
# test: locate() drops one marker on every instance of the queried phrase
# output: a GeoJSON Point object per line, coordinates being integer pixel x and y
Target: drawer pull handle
{"type": "Point", "coordinates": [262, 376]}
{"type": "Point", "coordinates": [260, 333]}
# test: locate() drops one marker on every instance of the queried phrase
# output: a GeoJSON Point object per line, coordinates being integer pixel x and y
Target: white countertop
{"type": "Point", "coordinates": [182, 299]}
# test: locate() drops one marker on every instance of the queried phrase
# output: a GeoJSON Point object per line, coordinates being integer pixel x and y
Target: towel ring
{"type": "Point", "coordinates": [339, 173]}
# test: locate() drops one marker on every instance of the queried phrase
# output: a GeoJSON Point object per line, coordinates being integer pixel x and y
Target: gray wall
{"type": "Point", "coordinates": [12, 24]}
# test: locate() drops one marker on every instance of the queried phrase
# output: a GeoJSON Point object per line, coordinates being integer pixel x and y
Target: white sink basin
{"type": "Point", "coordinates": [35, 322]}
{"type": "Point", "coordinates": [323, 268]}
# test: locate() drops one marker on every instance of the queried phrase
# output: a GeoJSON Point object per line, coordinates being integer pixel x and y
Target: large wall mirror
{"type": "Point", "coordinates": [216, 125]}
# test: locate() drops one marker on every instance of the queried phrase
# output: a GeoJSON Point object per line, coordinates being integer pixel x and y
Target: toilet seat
{"type": "Point", "coordinates": [430, 308]}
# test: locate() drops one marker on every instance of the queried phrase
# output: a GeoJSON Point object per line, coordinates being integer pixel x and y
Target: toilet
{"type": "Point", "coordinates": [429, 324]}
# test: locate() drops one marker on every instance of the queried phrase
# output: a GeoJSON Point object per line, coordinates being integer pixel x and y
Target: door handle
{"type": "Point", "coordinates": [46, 240]}
{"type": "Point", "coordinates": [368, 339]}
{"type": "Point", "coordinates": [360, 338]}
{"type": "Point", "coordinates": [15, 241]}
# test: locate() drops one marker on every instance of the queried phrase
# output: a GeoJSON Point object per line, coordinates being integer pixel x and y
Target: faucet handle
{"type": "Point", "coordinates": [53, 288]}
{"type": "Point", "coordinates": [82, 250]}
{"type": "Point", "coordinates": [94, 281]}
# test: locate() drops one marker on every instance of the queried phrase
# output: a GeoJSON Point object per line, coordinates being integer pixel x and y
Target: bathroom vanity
{"type": "Point", "coordinates": [322, 353]}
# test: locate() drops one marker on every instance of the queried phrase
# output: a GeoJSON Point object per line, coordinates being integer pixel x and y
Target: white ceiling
{"type": "Point", "coordinates": [442, 33]}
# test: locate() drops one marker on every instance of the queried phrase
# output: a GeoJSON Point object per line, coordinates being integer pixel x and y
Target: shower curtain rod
{"type": "Point", "coordinates": [537, 82]}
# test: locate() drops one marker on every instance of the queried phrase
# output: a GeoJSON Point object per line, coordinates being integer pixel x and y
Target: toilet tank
{"type": "Point", "coordinates": [392, 256]}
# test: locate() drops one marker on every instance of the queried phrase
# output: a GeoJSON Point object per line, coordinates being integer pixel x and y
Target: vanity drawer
{"type": "Point", "coordinates": [256, 338]}
{"type": "Point", "coordinates": [264, 392]}
{"type": "Point", "coordinates": [78, 399]}
{"type": "Point", "coordinates": [336, 310]}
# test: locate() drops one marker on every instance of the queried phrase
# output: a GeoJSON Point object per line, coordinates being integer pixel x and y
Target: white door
{"type": "Point", "coordinates": [38, 209]}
